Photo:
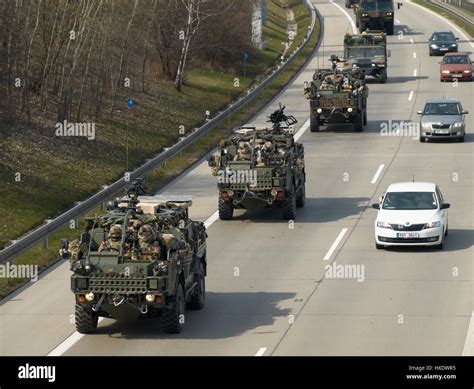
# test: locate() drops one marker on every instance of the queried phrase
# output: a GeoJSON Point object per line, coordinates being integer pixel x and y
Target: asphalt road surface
{"type": "Point", "coordinates": [267, 293]}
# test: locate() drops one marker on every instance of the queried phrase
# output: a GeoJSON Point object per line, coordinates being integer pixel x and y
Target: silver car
{"type": "Point", "coordinates": [442, 118]}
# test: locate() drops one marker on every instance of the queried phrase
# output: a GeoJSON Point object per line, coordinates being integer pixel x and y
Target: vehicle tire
{"type": "Point", "coordinates": [226, 210]}
{"type": "Point", "coordinates": [389, 27]}
{"type": "Point", "coordinates": [379, 246]}
{"type": "Point", "coordinates": [447, 231]}
{"type": "Point", "coordinates": [359, 123]}
{"type": "Point", "coordinates": [365, 117]}
{"type": "Point", "coordinates": [431, 53]}
{"type": "Point", "coordinates": [288, 207]}
{"type": "Point", "coordinates": [422, 139]}
{"type": "Point", "coordinates": [383, 79]}
{"type": "Point", "coordinates": [301, 198]}
{"type": "Point", "coordinates": [199, 294]}
{"type": "Point", "coordinates": [439, 246]}
{"type": "Point", "coordinates": [86, 319]}
{"type": "Point", "coordinates": [461, 139]}
{"type": "Point", "coordinates": [171, 318]}
{"type": "Point", "coordinates": [313, 123]}
{"type": "Point", "coordinates": [362, 27]}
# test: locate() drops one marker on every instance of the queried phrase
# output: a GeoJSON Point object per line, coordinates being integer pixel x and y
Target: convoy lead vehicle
{"type": "Point", "coordinates": [143, 258]}
{"type": "Point", "coordinates": [368, 52]}
{"type": "Point", "coordinates": [261, 167]}
{"type": "Point", "coordinates": [337, 96]}
{"type": "Point", "coordinates": [376, 15]}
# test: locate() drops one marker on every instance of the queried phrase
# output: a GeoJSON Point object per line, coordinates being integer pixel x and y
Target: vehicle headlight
{"type": "Point", "coordinates": [388, 14]}
{"type": "Point", "coordinates": [458, 124]}
{"type": "Point", "coordinates": [150, 298]}
{"type": "Point", "coordinates": [354, 65]}
{"type": "Point", "coordinates": [425, 125]}
{"type": "Point", "coordinates": [445, 72]}
{"type": "Point", "coordinates": [453, 45]}
{"type": "Point", "coordinates": [433, 46]}
{"type": "Point", "coordinates": [467, 71]}
{"type": "Point", "coordinates": [383, 225]}
{"type": "Point", "coordinates": [90, 296]}
{"type": "Point", "coordinates": [365, 15]}
{"type": "Point", "coordinates": [349, 109]}
{"type": "Point", "coordinates": [433, 224]}
{"type": "Point", "coordinates": [319, 110]}
{"type": "Point", "coordinates": [374, 65]}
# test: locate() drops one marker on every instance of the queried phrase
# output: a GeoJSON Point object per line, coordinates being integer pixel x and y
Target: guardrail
{"type": "Point", "coordinates": [450, 6]}
{"type": "Point", "coordinates": [25, 242]}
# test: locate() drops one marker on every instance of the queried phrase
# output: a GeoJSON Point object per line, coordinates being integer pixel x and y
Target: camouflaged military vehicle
{"type": "Point", "coordinates": [143, 258]}
{"type": "Point", "coordinates": [261, 167]}
{"type": "Point", "coordinates": [367, 52]}
{"type": "Point", "coordinates": [337, 96]}
{"type": "Point", "coordinates": [376, 15]}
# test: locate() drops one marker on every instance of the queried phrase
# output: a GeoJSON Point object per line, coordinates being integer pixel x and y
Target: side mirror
{"type": "Point", "coordinates": [445, 206]}
{"type": "Point", "coordinates": [399, 5]}
{"type": "Point", "coordinates": [420, 112]}
{"type": "Point", "coordinates": [465, 112]}
{"type": "Point", "coordinates": [389, 53]}
{"type": "Point", "coordinates": [457, 38]}
{"type": "Point", "coordinates": [376, 206]}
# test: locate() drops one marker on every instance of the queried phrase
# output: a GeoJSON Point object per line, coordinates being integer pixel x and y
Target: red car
{"type": "Point", "coordinates": [456, 65]}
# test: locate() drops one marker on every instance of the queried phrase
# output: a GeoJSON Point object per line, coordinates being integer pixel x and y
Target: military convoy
{"type": "Point", "coordinates": [261, 167]}
{"type": "Point", "coordinates": [145, 257]}
{"type": "Point", "coordinates": [337, 95]}
{"type": "Point", "coordinates": [376, 15]}
{"type": "Point", "coordinates": [367, 52]}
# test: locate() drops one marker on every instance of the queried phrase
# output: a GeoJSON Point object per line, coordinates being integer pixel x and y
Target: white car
{"type": "Point", "coordinates": [411, 213]}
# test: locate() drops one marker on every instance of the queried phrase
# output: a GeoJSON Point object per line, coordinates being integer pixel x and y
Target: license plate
{"type": "Point", "coordinates": [443, 49]}
{"type": "Point", "coordinates": [457, 75]}
{"type": "Point", "coordinates": [442, 131]}
{"type": "Point", "coordinates": [408, 235]}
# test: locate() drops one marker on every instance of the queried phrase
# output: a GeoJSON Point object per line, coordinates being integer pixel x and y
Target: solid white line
{"type": "Point", "coordinates": [211, 219]}
{"type": "Point", "coordinates": [415, 72]}
{"type": "Point", "coordinates": [354, 28]}
{"type": "Point", "coordinates": [412, 41]}
{"type": "Point", "coordinates": [68, 343]}
{"type": "Point", "coordinates": [261, 351]}
{"type": "Point", "coordinates": [301, 131]}
{"type": "Point", "coordinates": [410, 98]}
{"type": "Point", "coordinates": [458, 29]}
{"type": "Point", "coordinates": [334, 245]}
{"type": "Point", "coordinates": [414, 54]}
{"type": "Point", "coordinates": [377, 174]}
{"type": "Point", "coordinates": [468, 349]}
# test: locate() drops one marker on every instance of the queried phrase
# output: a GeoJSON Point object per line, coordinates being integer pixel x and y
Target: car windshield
{"type": "Point", "coordinates": [377, 5]}
{"type": "Point", "coordinates": [443, 36]}
{"type": "Point", "coordinates": [410, 200]}
{"type": "Point", "coordinates": [456, 59]}
{"type": "Point", "coordinates": [365, 52]}
{"type": "Point", "coordinates": [442, 109]}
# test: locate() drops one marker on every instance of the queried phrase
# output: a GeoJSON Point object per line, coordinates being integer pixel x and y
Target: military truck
{"type": "Point", "coordinates": [368, 52]}
{"type": "Point", "coordinates": [261, 167]}
{"type": "Point", "coordinates": [350, 3]}
{"type": "Point", "coordinates": [143, 258]}
{"type": "Point", "coordinates": [376, 15]}
{"type": "Point", "coordinates": [337, 95]}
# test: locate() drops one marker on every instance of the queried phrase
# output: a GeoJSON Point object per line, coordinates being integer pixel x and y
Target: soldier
{"type": "Point", "coordinates": [149, 248]}
{"type": "Point", "coordinates": [243, 153]}
{"type": "Point", "coordinates": [114, 239]}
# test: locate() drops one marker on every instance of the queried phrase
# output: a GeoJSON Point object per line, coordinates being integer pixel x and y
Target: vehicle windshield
{"type": "Point", "coordinates": [442, 109]}
{"type": "Point", "coordinates": [410, 201]}
{"type": "Point", "coordinates": [365, 52]}
{"type": "Point", "coordinates": [456, 59]}
{"type": "Point", "coordinates": [383, 5]}
{"type": "Point", "coordinates": [443, 36]}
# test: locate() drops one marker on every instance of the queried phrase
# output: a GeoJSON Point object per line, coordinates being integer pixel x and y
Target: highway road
{"type": "Point", "coordinates": [267, 293]}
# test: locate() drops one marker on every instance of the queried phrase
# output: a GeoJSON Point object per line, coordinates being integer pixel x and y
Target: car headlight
{"type": "Point", "coordinates": [383, 225]}
{"type": "Point", "coordinates": [319, 110]}
{"type": "Point", "coordinates": [433, 46]}
{"type": "Point", "coordinates": [458, 124]}
{"type": "Point", "coordinates": [354, 65]}
{"type": "Point", "coordinates": [374, 65]}
{"type": "Point", "coordinates": [349, 109]}
{"type": "Point", "coordinates": [445, 72]}
{"type": "Point", "coordinates": [453, 45]}
{"type": "Point", "coordinates": [467, 71]}
{"type": "Point", "coordinates": [433, 224]}
{"type": "Point", "coordinates": [388, 14]}
{"type": "Point", "coordinates": [364, 15]}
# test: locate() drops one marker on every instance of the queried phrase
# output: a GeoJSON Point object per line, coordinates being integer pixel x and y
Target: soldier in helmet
{"type": "Point", "coordinates": [112, 243]}
{"type": "Point", "coordinates": [149, 249]}
{"type": "Point", "coordinates": [243, 152]}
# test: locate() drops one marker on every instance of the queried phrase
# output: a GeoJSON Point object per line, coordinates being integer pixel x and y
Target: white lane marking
{"type": "Point", "coordinates": [397, 21]}
{"type": "Point", "coordinates": [301, 131]}
{"type": "Point", "coordinates": [335, 244]}
{"type": "Point", "coordinates": [458, 29]}
{"type": "Point", "coordinates": [211, 219]}
{"type": "Point", "coordinates": [261, 351]}
{"type": "Point", "coordinates": [410, 98]}
{"type": "Point", "coordinates": [412, 41]}
{"type": "Point", "coordinates": [354, 28]}
{"type": "Point", "coordinates": [468, 349]}
{"type": "Point", "coordinates": [68, 343]}
{"type": "Point", "coordinates": [377, 174]}
{"type": "Point", "coordinates": [414, 54]}
{"type": "Point", "coordinates": [415, 72]}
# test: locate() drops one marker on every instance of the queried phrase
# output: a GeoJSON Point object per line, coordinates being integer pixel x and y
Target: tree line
{"type": "Point", "coordinates": [75, 57]}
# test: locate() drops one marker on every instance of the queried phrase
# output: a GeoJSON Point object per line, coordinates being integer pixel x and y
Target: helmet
{"type": "Point", "coordinates": [146, 233]}
{"type": "Point", "coordinates": [115, 232]}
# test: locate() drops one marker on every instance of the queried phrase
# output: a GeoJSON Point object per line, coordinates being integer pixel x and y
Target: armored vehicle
{"type": "Point", "coordinates": [376, 15]}
{"type": "Point", "coordinates": [261, 167]}
{"type": "Point", "coordinates": [337, 95]}
{"type": "Point", "coordinates": [142, 258]}
{"type": "Point", "coordinates": [350, 3]}
{"type": "Point", "coordinates": [368, 52]}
